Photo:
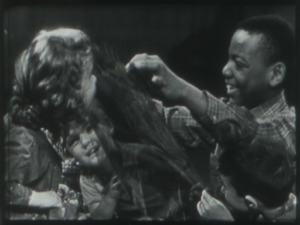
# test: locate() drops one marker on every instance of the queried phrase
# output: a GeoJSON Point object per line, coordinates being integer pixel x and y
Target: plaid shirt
{"type": "Point", "coordinates": [276, 119]}
{"type": "Point", "coordinates": [271, 119]}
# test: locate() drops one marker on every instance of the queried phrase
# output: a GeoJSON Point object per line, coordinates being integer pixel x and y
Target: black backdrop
{"type": "Point", "coordinates": [192, 39]}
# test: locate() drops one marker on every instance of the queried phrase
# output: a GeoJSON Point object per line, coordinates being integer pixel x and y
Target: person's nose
{"type": "Point", "coordinates": [84, 139]}
{"type": "Point", "coordinates": [227, 71]}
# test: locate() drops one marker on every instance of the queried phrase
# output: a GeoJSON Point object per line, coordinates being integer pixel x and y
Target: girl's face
{"type": "Point", "coordinates": [85, 146]}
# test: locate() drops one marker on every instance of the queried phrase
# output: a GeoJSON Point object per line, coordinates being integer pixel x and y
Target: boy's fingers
{"type": "Point", "coordinates": [202, 195]}
{"type": "Point", "coordinates": [149, 65]}
{"type": "Point", "coordinates": [206, 197]}
{"type": "Point", "coordinates": [198, 206]}
{"type": "Point", "coordinates": [130, 65]}
{"type": "Point", "coordinates": [201, 208]}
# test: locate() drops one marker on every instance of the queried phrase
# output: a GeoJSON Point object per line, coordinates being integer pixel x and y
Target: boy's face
{"type": "Point", "coordinates": [246, 72]}
{"type": "Point", "coordinates": [232, 197]}
{"type": "Point", "coordinates": [85, 146]}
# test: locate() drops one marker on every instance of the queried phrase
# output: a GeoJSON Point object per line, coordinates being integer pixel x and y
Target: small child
{"type": "Point", "coordinates": [100, 189]}
{"type": "Point", "coordinates": [141, 194]}
{"type": "Point", "coordinates": [258, 180]}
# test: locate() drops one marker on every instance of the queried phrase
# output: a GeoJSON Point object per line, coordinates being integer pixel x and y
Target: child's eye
{"type": "Point", "coordinates": [73, 140]}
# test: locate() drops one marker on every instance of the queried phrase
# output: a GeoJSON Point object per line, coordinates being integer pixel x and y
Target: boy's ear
{"type": "Point", "coordinates": [277, 74]}
{"type": "Point", "coordinates": [251, 202]}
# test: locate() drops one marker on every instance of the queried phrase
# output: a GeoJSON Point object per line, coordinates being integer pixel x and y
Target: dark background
{"type": "Point", "coordinates": [192, 39]}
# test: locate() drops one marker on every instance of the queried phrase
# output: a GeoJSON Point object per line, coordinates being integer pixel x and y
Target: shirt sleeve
{"type": "Point", "coordinates": [227, 121]}
{"type": "Point", "coordinates": [17, 194]}
{"type": "Point", "coordinates": [92, 189]}
{"type": "Point", "coordinates": [221, 121]}
{"type": "Point", "coordinates": [187, 130]}
{"type": "Point", "coordinates": [23, 166]}
{"type": "Point", "coordinates": [283, 127]}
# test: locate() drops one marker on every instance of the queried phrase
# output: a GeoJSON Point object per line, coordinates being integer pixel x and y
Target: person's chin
{"type": "Point", "coordinates": [93, 162]}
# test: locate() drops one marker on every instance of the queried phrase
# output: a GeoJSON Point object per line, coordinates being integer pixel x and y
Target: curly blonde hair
{"type": "Point", "coordinates": [47, 85]}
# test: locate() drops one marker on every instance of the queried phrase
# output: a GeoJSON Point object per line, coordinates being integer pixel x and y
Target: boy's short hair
{"type": "Point", "coordinates": [278, 39]}
{"type": "Point", "coordinates": [261, 169]}
{"type": "Point", "coordinates": [278, 34]}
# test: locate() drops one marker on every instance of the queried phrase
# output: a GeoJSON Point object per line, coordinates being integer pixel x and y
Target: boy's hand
{"type": "Point", "coordinates": [212, 209]}
{"type": "Point", "coordinates": [152, 67]}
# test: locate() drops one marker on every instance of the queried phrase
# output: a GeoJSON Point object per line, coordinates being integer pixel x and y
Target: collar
{"type": "Point", "coordinates": [269, 108]}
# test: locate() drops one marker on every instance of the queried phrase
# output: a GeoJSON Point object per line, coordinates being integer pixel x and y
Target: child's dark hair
{"type": "Point", "coordinates": [125, 99]}
{"type": "Point", "coordinates": [261, 169]}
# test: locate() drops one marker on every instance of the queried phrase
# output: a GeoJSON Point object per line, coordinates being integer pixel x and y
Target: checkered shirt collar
{"type": "Point", "coordinates": [271, 107]}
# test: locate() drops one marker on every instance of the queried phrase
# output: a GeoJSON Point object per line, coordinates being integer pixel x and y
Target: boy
{"type": "Point", "coordinates": [258, 180]}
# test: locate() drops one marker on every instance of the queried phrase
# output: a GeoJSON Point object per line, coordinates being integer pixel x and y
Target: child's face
{"type": "Point", "coordinates": [85, 146]}
{"type": "Point", "coordinates": [232, 197]}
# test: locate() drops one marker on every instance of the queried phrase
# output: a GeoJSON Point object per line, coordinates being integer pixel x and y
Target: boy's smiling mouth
{"type": "Point", "coordinates": [231, 89]}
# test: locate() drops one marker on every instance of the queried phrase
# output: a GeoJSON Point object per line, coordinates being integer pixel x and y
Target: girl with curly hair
{"type": "Point", "coordinates": [53, 81]}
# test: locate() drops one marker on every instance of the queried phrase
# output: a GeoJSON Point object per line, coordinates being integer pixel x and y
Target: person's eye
{"type": "Point", "coordinates": [73, 141]}
{"type": "Point", "coordinates": [239, 64]}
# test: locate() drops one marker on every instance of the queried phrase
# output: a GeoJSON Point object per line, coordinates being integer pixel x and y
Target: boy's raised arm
{"type": "Point", "coordinates": [170, 86]}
